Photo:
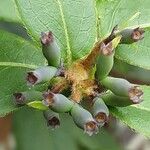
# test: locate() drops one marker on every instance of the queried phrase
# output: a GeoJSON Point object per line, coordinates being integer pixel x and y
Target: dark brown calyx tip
{"type": "Point", "coordinates": [19, 98]}
{"type": "Point", "coordinates": [101, 118]}
{"type": "Point", "coordinates": [136, 94]}
{"type": "Point", "coordinates": [137, 34]}
{"type": "Point", "coordinates": [48, 98]}
{"type": "Point", "coordinates": [61, 70]}
{"type": "Point", "coordinates": [91, 128]}
{"type": "Point", "coordinates": [112, 35]}
{"type": "Point", "coordinates": [47, 38]}
{"type": "Point", "coordinates": [31, 78]}
{"type": "Point", "coordinates": [54, 122]}
{"type": "Point", "coordinates": [106, 49]}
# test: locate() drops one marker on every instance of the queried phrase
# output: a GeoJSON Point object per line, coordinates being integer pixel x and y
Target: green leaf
{"type": "Point", "coordinates": [137, 54]}
{"type": "Point", "coordinates": [120, 12]}
{"type": "Point", "coordinates": [35, 129]}
{"type": "Point", "coordinates": [127, 13]}
{"type": "Point", "coordinates": [72, 22]}
{"type": "Point", "coordinates": [30, 127]}
{"type": "Point", "coordinates": [136, 116]}
{"type": "Point", "coordinates": [37, 105]}
{"type": "Point", "coordinates": [17, 56]}
{"type": "Point", "coordinates": [8, 11]}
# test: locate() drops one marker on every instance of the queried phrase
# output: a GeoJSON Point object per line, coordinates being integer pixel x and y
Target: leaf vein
{"type": "Point", "coordinates": [69, 55]}
{"type": "Point", "coordinates": [113, 14]}
{"type": "Point", "coordinates": [141, 108]}
{"type": "Point", "coordinates": [14, 64]}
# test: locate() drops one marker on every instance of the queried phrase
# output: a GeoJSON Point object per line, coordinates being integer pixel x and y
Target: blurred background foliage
{"type": "Point", "coordinates": [31, 132]}
{"type": "Point", "coordinates": [29, 129]}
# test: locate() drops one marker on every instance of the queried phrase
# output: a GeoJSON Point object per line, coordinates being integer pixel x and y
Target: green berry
{"type": "Point", "coordinates": [50, 49]}
{"type": "Point", "coordinates": [100, 111]}
{"type": "Point", "coordinates": [52, 118]}
{"type": "Point", "coordinates": [122, 87]}
{"type": "Point", "coordinates": [106, 59]}
{"type": "Point", "coordinates": [57, 102]}
{"type": "Point", "coordinates": [23, 98]}
{"type": "Point", "coordinates": [104, 66]}
{"type": "Point", "coordinates": [84, 120]}
{"type": "Point", "coordinates": [113, 100]}
{"type": "Point", "coordinates": [40, 75]}
{"type": "Point", "coordinates": [130, 36]}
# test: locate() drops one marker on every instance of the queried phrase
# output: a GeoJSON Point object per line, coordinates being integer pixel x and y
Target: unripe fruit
{"type": "Point", "coordinates": [104, 66]}
{"type": "Point", "coordinates": [113, 100]}
{"type": "Point", "coordinates": [52, 118]}
{"type": "Point", "coordinates": [122, 87]}
{"type": "Point", "coordinates": [40, 75]}
{"type": "Point", "coordinates": [57, 102]}
{"type": "Point", "coordinates": [112, 34]}
{"type": "Point", "coordinates": [106, 59]}
{"type": "Point", "coordinates": [82, 81]}
{"type": "Point", "coordinates": [100, 111]}
{"type": "Point", "coordinates": [130, 36]}
{"type": "Point", "coordinates": [50, 49]}
{"type": "Point", "coordinates": [23, 98]}
{"type": "Point", "coordinates": [84, 120]}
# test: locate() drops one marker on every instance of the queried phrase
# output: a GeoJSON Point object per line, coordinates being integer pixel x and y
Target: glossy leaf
{"type": "Point", "coordinates": [16, 57]}
{"type": "Point", "coordinates": [124, 13]}
{"type": "Point", "coordinates": [8, 11]}
{"type": "Point", "coordinates": [137, 54]}
{"type": "Point", "coordinates": [127, 14]}
{"type": "Point", "coordinates": [72, 22]}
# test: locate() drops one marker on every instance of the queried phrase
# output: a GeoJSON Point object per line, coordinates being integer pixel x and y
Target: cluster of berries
{"type": "Point", "coordinates": [120, 92]}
